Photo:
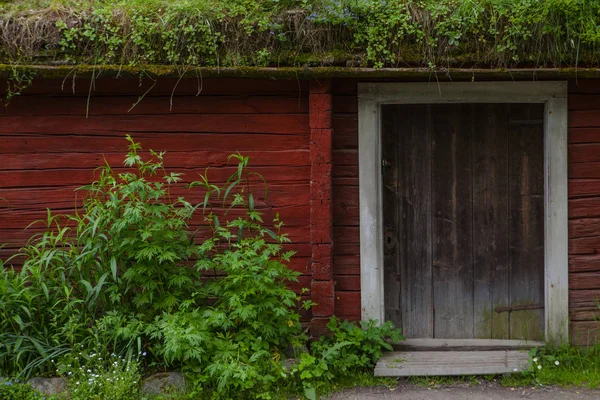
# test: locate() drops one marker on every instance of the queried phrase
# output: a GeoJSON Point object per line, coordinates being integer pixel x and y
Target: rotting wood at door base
{"type": "Point", "coordinates": [442, 363]}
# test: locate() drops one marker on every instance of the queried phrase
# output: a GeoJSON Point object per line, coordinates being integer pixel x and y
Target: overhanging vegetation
{"type": "Point", "coordinates": [183, 34]}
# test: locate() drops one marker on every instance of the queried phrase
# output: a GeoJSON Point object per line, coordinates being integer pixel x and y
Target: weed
{"type": "Point", "coordinates": [564, 366]}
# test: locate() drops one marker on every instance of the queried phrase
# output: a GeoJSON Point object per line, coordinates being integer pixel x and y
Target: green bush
{"type": "Point", "coordinates": [127, 276]}
{"type": "Point", "coordinates": [351, 348]}
{"type": "Point", "coordinates": [14, 390]}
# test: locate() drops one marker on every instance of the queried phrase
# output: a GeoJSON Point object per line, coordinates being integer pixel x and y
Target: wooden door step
{"type": "Point", "coordinates": [465, 344]}
{"type": "Point", "coordinates": [431, 363]}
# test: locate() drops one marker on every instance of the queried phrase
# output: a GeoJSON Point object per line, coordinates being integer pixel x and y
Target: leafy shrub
{"type": "Point", "coordinates": [238, 341]}
{"type": "Point", "coordinates": [124, 251]}
{"type": "Point", "coordinates": [351, 348]}
{"type": "Point", "coordinates": [14, 390]}
{"type": "Point", "coordinates": [126, 275]}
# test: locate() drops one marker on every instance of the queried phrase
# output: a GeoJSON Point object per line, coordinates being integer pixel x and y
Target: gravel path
{"type": "Point", "coordinates": [485, 391]}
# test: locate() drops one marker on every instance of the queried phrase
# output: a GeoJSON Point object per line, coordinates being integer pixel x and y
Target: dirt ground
{"type": "Point", "coordinates": [485, 391]}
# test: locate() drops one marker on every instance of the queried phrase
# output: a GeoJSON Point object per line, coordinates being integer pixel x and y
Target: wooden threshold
{"type": "Point", "coordinates": [465, 344]}
{"type": "Point", "coordinates": [446, 363]}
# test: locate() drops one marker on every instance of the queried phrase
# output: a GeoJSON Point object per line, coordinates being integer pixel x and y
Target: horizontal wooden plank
{"type": "Point", "coordinates": [464, 344]}
{"type": "Point", "coordinates": [346, 157]}
{"type": "Point", "coordinates": [588, 152]}
{"type": "Point", "coordinates": [586, 170]}
{"type": "Point", "coordinates": [346, 249]}
{"type": "Point", "coordinates": [585, 333]}
{"type": "Point", "coordinates": [584, 135]}
{"type": "Point", "coordinates": [432, 363]}
{"type": "Point", "coordinates": [345, 104]}
{"type": "Point", "coordinates": [584, 119]}
{"type": "Point", "coordinates": [584, 263]}
{"type": "Point", "coordinates": [59, 177]}
{"type": "Point", "coordinates": [347, 305]}
{"type": "Point", "coordinates": [583, 187]}
{"type": "Point", "coordinates": [169, 142]}
{"type": "Point", "coordinates": [346, 234]}
{"type": "Point", "coordinates": [346, 264]}
{"type": "Point", "coordinates": [158, 105]}
{"type": "Point", "coordinates": [173, 160]}
{"type": "Point", "coordinates": [587, 245]}
{"type": "Point", "coordinates": [585, 315]}
{"type": "Point", "coordinates": [345, 181]}
{"type": "Point", "coordinates": [220, 123]}
{"type": "Point", "coordinates": [584, 227]}
{"type": "Point", "coordinates": [584, 280]}
{"type": "Point", "coordinates": [166, 86]}
{"type": "Point", "coordinates": [347, 283]}
{"type": "Point", "coordinates": [584, 298]}
{"type": "Point", "coordinates": [67, 197]}
{"type": "Point", "coordinates": [584, 101]}
{"type": "Point", "coordinates": [344, 87]}
{"type": "Point", "coordinates": [584, 208]}
{"type": "Point", "coordinates": [344, 214]}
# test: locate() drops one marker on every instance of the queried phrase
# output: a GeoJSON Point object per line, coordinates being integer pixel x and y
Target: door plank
{"type": "Point", "coordinates": [452, 222]}
{"type": "Point", "coordinates": [490, 228]}
{"type": "Point", "coordinates": [526, 224]}
{"type": "Point", "coordinates": [414, 155]}
{"type": "Point", "coordinates": [391, 115]}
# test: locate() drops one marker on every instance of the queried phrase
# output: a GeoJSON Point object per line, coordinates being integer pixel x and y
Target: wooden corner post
{"type": "Point", "coordinates": [322, 288]}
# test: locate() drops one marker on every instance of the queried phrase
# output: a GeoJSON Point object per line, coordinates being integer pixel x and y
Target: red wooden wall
{"type": "Point", "coordinates": [48, 148]}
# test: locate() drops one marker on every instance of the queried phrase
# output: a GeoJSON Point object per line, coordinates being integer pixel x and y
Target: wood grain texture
{"type": "Point", "coordinates": [526, 229]}
{"type": "Point", "coordinates": [490, 231]}
{"type": "Point", "coordinates": [452, 222]}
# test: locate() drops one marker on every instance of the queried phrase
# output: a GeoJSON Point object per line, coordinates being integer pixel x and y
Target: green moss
{"type": "Point", "coordinates": [434, 34]}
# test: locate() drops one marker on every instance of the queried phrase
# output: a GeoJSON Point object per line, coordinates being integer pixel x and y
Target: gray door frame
{"type": "Point", "coordinates": [554, 97]}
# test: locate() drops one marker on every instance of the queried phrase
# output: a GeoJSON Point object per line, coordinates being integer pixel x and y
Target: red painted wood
{"type": "Point", "coordinates": [585, 333]}
{"type": "Point", "coordinates": [347, 305]}
{"type": "Point", "coordinates": [584, 263]}
{"type": "Point", "coordinates": [584, 135]}
{"type": "Point", "coordinates": [584, 208]}
{"type": "Point", "coordinates": [174, 160]}
{"type": "Point", "coordinates": [347, 283]}
{"type": "Point", "coordinates": [155, 105]}
{"type": "Point", "coordinates": [169, 142]}
{"type": "Point", "coordinates": [586, 170]}
{"type": "Point", "coordinates": [584, 188]}
{"type": "Point", "coordinates": [322, 293]}
{"type": "Point", "coordinates": [584, 102]}
{"type": "Point", "coordinates": [584, 280]}
{"type": "Point", "coordinates": [584, 227]}
{"type": "Point", "coordinates": [167, 86]}
{"type": "Point", "coordinates": [294, 124]}
{"type": "Point", "coordinates": [321, 142]}
{"type": "Point", "coordinates": [587, 245]}
{"type": "Point", "coordinates": [346, 265]}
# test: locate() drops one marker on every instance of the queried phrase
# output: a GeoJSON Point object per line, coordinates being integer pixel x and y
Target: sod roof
{"type": "Point", "coordinates": [167, 36]}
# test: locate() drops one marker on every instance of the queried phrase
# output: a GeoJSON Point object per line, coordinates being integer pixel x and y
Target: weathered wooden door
{"type": "Point", "coordinates": [463, 219]}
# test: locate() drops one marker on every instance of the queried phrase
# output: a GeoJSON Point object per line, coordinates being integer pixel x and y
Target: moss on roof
{"type": "Point", "coordinates": [184, 34]}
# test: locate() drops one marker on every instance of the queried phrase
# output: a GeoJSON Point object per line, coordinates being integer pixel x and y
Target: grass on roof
{"type": "Point", "coordinates": [394, 33]}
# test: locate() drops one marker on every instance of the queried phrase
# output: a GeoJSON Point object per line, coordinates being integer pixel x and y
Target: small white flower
{"type": "Point", "coordinates": [70, 373]}
{"type": "Point", "coordinates": [556, 362]}
{"type": "Point", "coordinates": [89, 370]}
{"type": "Point", "coordinates": [516, 370]}
{"type": "Point", "coordinates": [535, 360]}
{"type": "Point", "coordinates": [77, 383]}
{"type": "Point", "coordinates": [144, 354]}
{"type": "Point", "coordinates": [539, 367]}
